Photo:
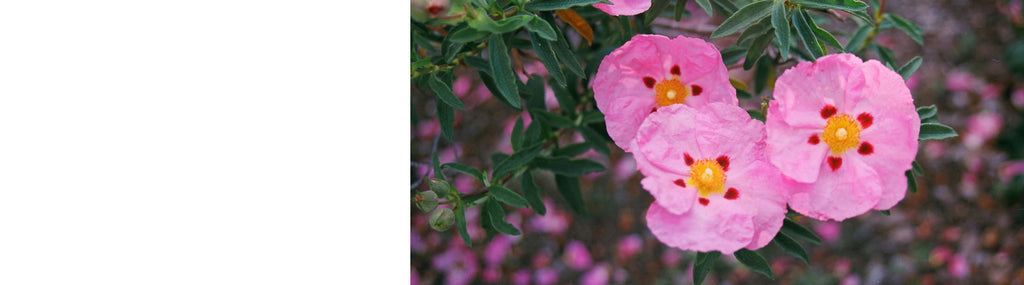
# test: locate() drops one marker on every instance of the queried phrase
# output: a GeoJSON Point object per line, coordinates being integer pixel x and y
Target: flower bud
{"type": "Point", "coordinates": [426, 201]}
{"type": "Point", "coordinates": [440, 187]}
{"type": "Point", "coordinates": [442, 219]}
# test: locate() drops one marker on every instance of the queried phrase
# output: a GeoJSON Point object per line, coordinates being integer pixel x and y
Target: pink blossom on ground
{"type": "Point", "coordinates": [545, 276]}
{"type": "Point", "coordinates": [521, 277]}
{"type": "Point", "coordinates": [598, 275]}
{"type": "Point", "coordinates": [843, 131]}
{"type": "Point", "coordinates": [940, 255]}
{"type": "Point", "coordinates": [671, 257]}
{"type": "Point", "coordinates": [576, 256]}
{"type": "Point", "coordinates": [625, 168]}
{"type": "Point", "coordinates": [492, 275]}
{"type": "Point", "coordinates": [712, 185]}
{"type": "Point", "coordinates": [989, 91]}
{"type": "Point", "coordinates": [415, 277]}
{"type": "Point", "coordinates": [540, 260]}
{"type": "Point", "coordinates": [555, 221]}
{"type": "Point", "coordinates": [842, 267]}
{"type": "Point", "coordinates": [981, 128]}
{"type": "Point", "coordinates": [624, 7]}
{"type": "Point", "coordinates": [958, 267]}
{"type": "Point", "coordinates": [629, 246]}
{"type": "Point", "coordinates": [458, 263]}
{"type": "Point", "coordinates": [828, 231]}
{"type": "Point", "coordinates": [913, 81]}
{"type": "Point", "coordinates": [1017, 98]}
{"type": "Point", "coordinates": [497, 249]}
{"type": "Point", "coordinates": [653, 71]}
{"type": "Point", "coordinates": [417, 245]}
{"type": "Point", "coordinates": [1011, 169]}
{"type": "Point", "coordinates": [850, 280]}
{"type": "Point", "coordinates": [959, 81]}
{"type": "Point", "coordinates": [934, 149]}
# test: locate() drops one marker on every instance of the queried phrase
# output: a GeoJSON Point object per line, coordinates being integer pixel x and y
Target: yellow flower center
{"type": "Point", "coordinates": [841, 133]}
{"type": "Point", "coordinates": [670, 91]}
{"type": "Point", "coordinates": [707, 176]}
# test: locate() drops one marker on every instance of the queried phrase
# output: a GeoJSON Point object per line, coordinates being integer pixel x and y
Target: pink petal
{"type": "Point", "coordinates": [851, 190]}
{"type": "Point", "coordinates": [630, 113]}
{"type": "Point", "coordinates": [761, 189]}
{"type": "Point", "coordinates": [804, 89]}
{"type": "Point", "coordinates": [717, 227]}
{"type": "Point", "coordinates": [789, 149]}
{"type": "Point", "coordinates": [624, 7]}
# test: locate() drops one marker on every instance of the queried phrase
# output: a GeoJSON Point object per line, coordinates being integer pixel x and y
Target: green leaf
{"type": "Point", "coordinates": [913, 31]}
{"type": "Point", "coordinates": [572, 150]}
{"type": "Point", "coordinates": [532, 193]}
{"type": "Point", "coordinates": [446, 118]}
{"type": "Point", "coordinates": [756, 50]}
{"type": "Point", "coordinates": [515, 161]}
{"type": "Point", "coordinates": [754, 31]}
{"type": "Point", "coordinates": [565, 100]}
{"type": "Point", "coordinates": [497, 215]}
{"type": "Point", "coordinates": [885, 212]}
{"type": "Point", "coordinates": [450, 49]}
{"type": "Point", "coordinates": [806, 33]}
{"type": "Point", "coordinates": [476, 173]}
{"type": "Point", "coordinates": [726, 7]}
{"type": "Point", "coordinates": [596, 141]}
{"type": "Point", "coordinates": [703, 264]}
{"type": "Point", "coordinates": [567, 57]}
{"type": "Point", "coordinates": [566, 166]}
{"type": "Point", "coordinates": [517, 134]}
{"type": "Point", "coordinates": [762, 74]}
{"type": "Point", "coordinates": [732, 55]}
{"type": "Point", "coordinates": [501, 68]}
{"type": "Point", "coordinates": [551, 5]}
{"type": "Point", "coordinates": [478, 63]}
{"type": "Point", "coordinates": [743, 17]}
{"type": "Point", "coordinates": [706, 5]}
{"type": "Point", "coordinates": [592, 117]}
{"type": "Point", "coordinates": [541, 28]}
{"type": "Point", "coordinates": [680, 9]}
{"type": "Point", "coordinates": [856, 42]}
{"type": "Point", "coordinates": [437, 167]}
{"type": "Point", "coordinates": [885, 55]}
{"type": "Point", "coordinates": [791, 247]}
{"type": "Point", "coordinates": [926, 112]}
{"type": "Point", "coordinates": [754, 261]}
{"type": "Point", "coordinates": [756, 115]}
{"type": "Point", "coordinates": [444, 92]}
{"type": "Point", "coordinates": [552, 119]}
{"type": "Point", "coordinates": [569, 188]}
{"type": "Point", "coordinates": [911, 182]}
{"type": "Point", "coordinates": [823, 35]}
{"type": "Point", "coordinates": [460, 223]}
{"type": "Point", "coordinates": [917, 168]}
{"type": "Point", "coordinates": [780, 21]}
{"type": "Point", "coordinates": [501, 26]}
{"type": "Point", "coordinates": [936, 131]}
{"type": "Point", "coordinates": [485, 223]}
{"type": "Point", "coordinates": [908, 69]}
{"type": "Point", "coordinates": [657, 6]}
{"type": "Point", "coordinates": [845, 5]}
{"type": "Point", "coordinates": [507, 196]}
{"type": "Point", "coordinates": [794, 229]}
{"type": "Point", "coordinates": [547, 57]}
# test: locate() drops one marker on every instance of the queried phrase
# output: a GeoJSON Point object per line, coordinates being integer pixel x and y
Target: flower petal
{"type": "Point", "coordinates": [717, 226]}
{"type": "Point", "coordinates": [851, 190]}
{"type": "Point", "coordinates": [761, 188]}
{"type": "Point", "coordinates": [789, 148]}
{"type": "Point", "coordinates": [624, 7]}
{"type": "Point", "coordinates": [623, 124]}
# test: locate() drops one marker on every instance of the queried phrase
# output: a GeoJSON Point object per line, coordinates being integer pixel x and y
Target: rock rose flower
{"type": "Point", "coordinates": [624, 7]}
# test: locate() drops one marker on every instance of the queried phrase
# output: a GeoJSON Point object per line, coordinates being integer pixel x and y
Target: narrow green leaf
{"type": "Point", "coordinates": [936, 131]}
{"type": "Point", "coordinates": [732, 55]}
{"type": "Point", "coordinates": [515, 161]}
{"type": "Point", "coordinates": [794, 229]}
{"type": "Point", "coordinates": [911, 182]}
{"type": "Point", "coordinates": [823, 35]}
{"type": "Point", "coordinates": [596, 141]}
{"type": "Point", "coordinates": [565, 99]}
{"type": "Point", "coordinates": [743, 17]}
{"type": "Point", "coordinates": [567, 57]}
{"type": "Point", "coordinates": [856, 42]}
{"type": "Point", "coordinates": [680, 9]}
{"type": "Point", "coordinates": [780, 21]}
{"type": "Point", "coordinates": [791, 247]}
{"type": "Point", "coordinates": [466, 35]}
{"type": "Point", "coordinates": [845, 5]}
{"type": "Point", "coordinates": [756, 50]}
{"type": "Point", "coordinates": [565, 166]}
{"type": "Point", "coordinates": [497, 215]}
{"type": "Point", "coordinates": [450, 49]}
{"type": "Point", "coordinates": [501, 68]}
{"type": "Point", "coordinates": [437, 167]}
{"type": "Point", "coordinates": [754, 261]}
{"type": "Point", "coordinates": [806, 33]}
{"type": "Point", "coordinates": [532, 193]}
{"type": "Point", "coordinates": [926, 112]}
{"type": "Point", "coordinates": [726, 7]}
{"type": "Point", "coordinates": [460, 223]}
{"type": "Point", "coordinates": [507, 196]}
{"type": "Point", "coordinates": [547, 57]}
{"type": "Point", "coordinates": [534, 133]}
{"type": "Point", "coordinates": [572, 150]}
{"type": "Point", "coordinates": [917, 168]}
{"type": "Point", "coordinates": [552, 119]}
{"type": "Point", "coordinates": [885, 55]}
{"type": "Point", "coordinates": [592, 117]}
{"type": "Point", "coordinates": [885, 212]}
{"type": "Point", "coordinates": [908, 69]}
{"type": "Point", "coordinates": [478, 63]}
{"type": "Point", "coordinates": [913, 31]}
{"type": "Point", "coordinates": [485, 223]}
{"type": "Point", "coordinates": [541, 28]}
{"type": "Point", "coordinates": [569, 188]}
{"type": "Point", "coordinates": [444, 92]}
{"type": "Point", "coordinates": [446, 118]}
{"type": "Point", "coordinates": [657, 6]}
{"type": "Point", "coordinates": [756, 115]}
{"type": "Point", "coordinates": [551, 5]}
{"type": "Point", "coordinates": [517, 135]}
{"type": "Point", "coordinates": [476, 173]}
{"type": "Point", "coordinates": [754, 31]}
{"type": "Point", "coordinates": [763, 72]}
{"type": "Point", "coordinates": [703, 264]}
{"type": "Point", "coordinates": [706, 5]}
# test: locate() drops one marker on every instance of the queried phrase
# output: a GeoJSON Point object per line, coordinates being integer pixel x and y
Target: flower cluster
{"type": "Point", "coordinates": [838, 137]}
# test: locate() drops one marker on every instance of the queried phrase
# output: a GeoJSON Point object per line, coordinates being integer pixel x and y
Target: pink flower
{"type": "Point", "coordinates": [671, 257]}
{"type": "Point", "coordinates": [981, 128]}
{"type": "Point", "coordinates": [624, 7]}
{"type": "Point", "coordinates": [940, 255]}
{"type": "Point", "coordinates": [415, 277]}
{"type": "Point", "coordinates": [545, 276]}
{"type": "Point", "coordinates": [521, 277]}
{"type": "Point", "coordinates": [828, 231]}
{"type": "Point", "coordinates": [629, 246]}
{"type": "Point", "coordinates": [846, 130]}
{"type": "Point", "coordinates": [713, 187]}
{"type": "Point", "coordinates": [576, 255]}
{"type": "Point", "coordinates": [1011, 169]}
{"type": "Point", "coordinates": [958, 267]}
{"type": "Point", "coordinates": [653, 71]}
{"type": "Point", "coordinates": [959, 81]}
{"type": "Point", "coordinates": [599, 275]}
{"type": "Point", "coordinates": [1017, 98]}
{"type": "Point", "coordinates": [496, 250]}
{"type": "Point", "coordinates": [491, 275]}
{"type": "Point", "coordinates": [458, 263]}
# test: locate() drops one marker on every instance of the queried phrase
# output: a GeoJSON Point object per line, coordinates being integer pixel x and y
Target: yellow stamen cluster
{"type": "Point", "coordinates": [670, 91]}
{"type": "Point", "coordinates": [707, 176]}
{"type": "Point", "coordinates": [841, 133]}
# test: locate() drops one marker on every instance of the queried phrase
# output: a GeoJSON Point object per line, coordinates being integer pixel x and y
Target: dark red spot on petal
{"type": "Point", "coordinates": [687, 159]}
{"type": "Point", "coordinates": [732, 194]}
{"type": "Point", "coordinates": [703, 201]}
{"type": "Point", "coordinates": [814, 139]}
{"type": "Point", "coordinates": [434, 9]}
{"type": "Point", "coordinates": [696, 89]}
{"type": "Point", "coordinates": [724, 162]}
{"type": "Point", "coordinates": [675, 70]}
{"type": "Point", "coordinates": [828, 111]}
{"type": "Point", "coordinates": [866, 148]}
{"type": "Point", "coordinates": [680, 182]}
{"type": "Point", "coordinates": [649, 81]}
{"type": "Point", "coordinates": [654, 109]}
{"type": "Point", "coordinates": [865, 120]}
{"type": "Point", "coordinates": [835, 162]}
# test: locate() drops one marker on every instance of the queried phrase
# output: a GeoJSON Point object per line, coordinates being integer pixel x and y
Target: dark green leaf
{"type": "Point", "coordinates": [547, 57]}
{"type": "Point", "coordinates": [423, 42]}
{"type": "Point", "coordinates": [756, 50]}
{"type": "Point", "coordinates": [780, 21]}
{"type": "Point", "coordinates": [823, 35]}
{"type": "Point", "coordinates": [703, 264]}
{"type": "Point", "coordinates": [460, 223]}
{"type": "Point", "coordinates": [485, 223]}
{"type": "Point", "coordinates": [515, 161]}
{"type": "Point", "coordinates": [592, 117]}
{"type": "Point", "coordinates": [569, 187]}
{"type": "Point", "coordinates": [532, 193]}
{"type": "Point", "coordinates": [497, 215]}
{"type": "Point", "coordinates": [885, 55]}
{"type": "Point", "coordinates": [754, 261]}
{"type": "Point", "coordinates": [917, 168]}
{"type": "Point", "coordinates": [446, 118]}
{"type": "Point", "coordinates": [926, 112]}
{"type": "Point", "coordinates": [743, 94]}
{"type": "Point", "coordinates": [541, 28]}
{"type": "Point", "coordinates": [450, 49]}
{"type": "Point", "coordinates": [437, 167]}
{"type": "Point", "coordinates": [845, 5]}
{"type": "Point", "coordinates": [657, 6]}
{"type": "Point", "coordinates": [507, 196]}
{"type": "Point", "coordinates": [806, 33]}
{"type": "Point", "coordinates": [517, 134]}
{"type": "Point", "coordinates": [762, 73]}
{"type": "Point", "coordinates": [732, 55]}
{"type": "Point", "coordinates": [856, 42]}
{"type": "Point", "coordinates": [466, 35]}
{"type": "Point", "coordinates": [564, 98]}
{"type": "Point", "coordinates": [885, 212]}
{"type": "Point", "coordinates": [706, 5]}
{"type": "Point", "coordinates": [793, 229]}
{"type": "Point", "coordinates": [572, 150]}
{"type": "Point", "coordinates": [567, 57]}
{"type": "Point", "coordinates": [552, 119]}
{"type": "Point", "coordinates": [533, 133]}
{"type": "Point", "coordinates": [478, 63]}
{"type": "Point", "coordinates": [476, 173]}
{"type": "Point", "coordinates": [791, 247]}
{"type": "Point", "coordinates": [551, 5]}
{"type": "Point", "coordinates": [680, 9]}
{"type": "Point", "coordinates": [908, 69]}
{"type": "Point", "coordinates": [596, 141]}
{"type": "Point", "coordinates": [911, 182]}
{"type": "Point", "coordinates": [726, 7]}
{"type": "Point", "coordinates": [936, 131]}
{"type": "Point", "coordinates": [501, 68]}
{"type": "Point", "coordinates": [497, 158]}
{"type": "Point", "coordinates": [565, 166]}
{"type": "Point", "coordinates": [444, 92]}
{"type": "Point", "coordinates": [501, 26]}
{"type": "Point", "coordinates": [743, 17]}
{"type": "Point", "coordinates": [756, 115]}
{"type": "Point", "coordinates": [913, 31]}
{"type": "Point", "coordinates": [754, 31]}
